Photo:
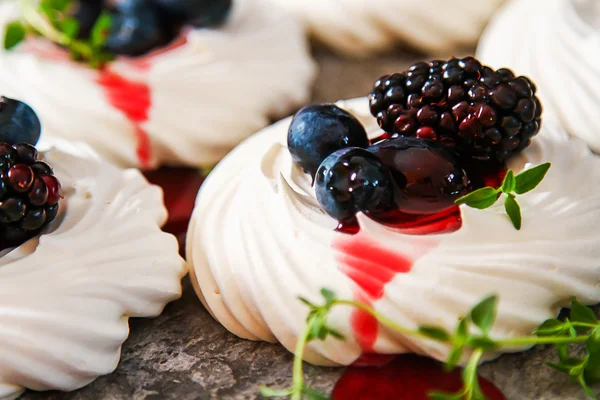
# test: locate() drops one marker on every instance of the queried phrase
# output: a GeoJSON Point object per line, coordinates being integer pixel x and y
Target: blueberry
{"type": "Point", "coordinates": [86, 13]}
{"type": "Point", "coordinates": [352, 180]}
{"type": "Point", "coordinates": [428, 176]}
{"type": "Point", "coordinates": [136, 28]}
{"type": "Point", "coordinates": [18, 122]}
{"type": "Point", "coordinates": [199, 13]}
{"type": "Point", "coordinates": [317, 131]}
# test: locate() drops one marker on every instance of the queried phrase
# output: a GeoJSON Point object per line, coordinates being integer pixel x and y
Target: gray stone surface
{"type": "Point", "coordinates": [185, 354]}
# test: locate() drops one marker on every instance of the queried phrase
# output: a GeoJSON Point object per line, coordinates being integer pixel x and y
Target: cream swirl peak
{"type": "Point", "coordinates": [555, 42]}
{"type": "Point", "coordinates": [185, 105]}
{"type": "Point", "coordinates": [67, 295]}
{"type": "Point", "coordinates": [259, 239]}
{"type": "Point", "coordinates": [356, 28]}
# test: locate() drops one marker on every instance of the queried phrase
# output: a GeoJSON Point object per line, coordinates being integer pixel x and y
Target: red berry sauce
{"type": "Point", "coordinates": [371, 267]}
{"type": "Point", "coordinates": [407, 377]}
{"type": "Point", "coordinates": [133, 99]}
{"type": "Point", "coordinates": [446, 221]}
{"type": "Point", "coordinates": [180, 187]}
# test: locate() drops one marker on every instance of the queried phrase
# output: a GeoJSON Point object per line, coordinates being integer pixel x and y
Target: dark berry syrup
{"type": "Point", "coordinates": [180, 187]}
{"type": "Point", "coordinates": [371, 267]}
{"type": "Point", "coordinates": [407, 377]}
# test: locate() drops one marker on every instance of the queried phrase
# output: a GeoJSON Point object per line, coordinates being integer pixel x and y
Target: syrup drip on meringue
{"type": "Point", "coordinates": [371, 267]}
{"type": "Point", "coordinates": [133, 99]}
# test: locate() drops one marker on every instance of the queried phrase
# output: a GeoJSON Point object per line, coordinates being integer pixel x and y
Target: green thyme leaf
{"type": "Point", "coordinates": [484, 313]}
{"type": "Point", "coordinates": [559, 367]}
{"type": "Point", "coordinates": [593, 342]}
{"type": "Point", "coordinates": [52, 19]}
{"type": "Point", "coordinates": [570, 329]}
{"type": "Point", "coordinates": [60, 6]}
{"type": "Point", "coordinates": [305, 301]}
{"type": "Point", "coordinates": [529, 179]}
{"type": "Point", "coordinates": [268, 392]}
{"type": "Point", "coordinates": [462, 331]}
{"type": "Point", "coordinates": [513, 210]}
{"type": "Point", "coordinates": [70, 27]}
{"type": "Point", "coordinates": [15, 34]}
{"type": "Point", "coordinates": [577, 369]}
{"type": "Point", "coordinates": [435, 333]}
{"type": "Point", "coordinates": [101, 29]}
{"type": "Point", "coordinates": [336, 334]}
{"type": "Point", "coordinates": [454, 357]}
{"type": "Point", "coordinates": [329, 297]}
{"type": "Point", "coordinates": [550, 327]}
{"type": "Point", "coordinates": [480, 198]}
{"type": "Point", "coordinates": [48, 9]}
{"type": "Point", "coordinates": [581, 313]}
{"type": "Point", "coordinates": [562, 350]}
{"type": "Point", "coordinates": [584, 385]}
{"type": "Point", "coordinates": [508, 185]}
{"type": "Point", "coordinates": [592, 367]}
{"type": "Point", "coordinates": [484, 343]}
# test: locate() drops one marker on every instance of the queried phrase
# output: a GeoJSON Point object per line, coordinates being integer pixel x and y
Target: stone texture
{"type": "Point", "coordinates": [185, 354]}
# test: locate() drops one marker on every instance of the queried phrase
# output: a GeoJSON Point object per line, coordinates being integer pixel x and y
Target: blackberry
{"type": "Point", "coordinates": [479, 113]}
{"type": "Point", "coordinates": [29, 194]}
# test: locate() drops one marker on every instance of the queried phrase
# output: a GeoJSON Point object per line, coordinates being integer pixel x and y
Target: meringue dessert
{"type": "Point", "coordinates": [359, 29]}
{"type": "Point", "coordinates": [185, 86]}
{"type": "Point", "coordinates": [81, 251]}
{"type": "Point", "coordinates": [554, 42]}
{"type": "Point", "coordinates": [333, 199]}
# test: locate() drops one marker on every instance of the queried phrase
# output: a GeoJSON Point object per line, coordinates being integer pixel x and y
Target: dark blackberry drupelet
{"type": "Point", "coordinates": [480, 113]}
{"type": "Point", "coordinates": [29, 194]}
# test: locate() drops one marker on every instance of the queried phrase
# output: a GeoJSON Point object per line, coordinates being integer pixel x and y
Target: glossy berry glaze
{"type": "Point", "coordinates": [408, 377]}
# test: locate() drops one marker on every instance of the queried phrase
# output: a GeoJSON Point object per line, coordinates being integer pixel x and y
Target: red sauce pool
{"type": "Point", "coordinates": [180, 187]}
{"type": "Point", "coordinates": [407, 377]}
